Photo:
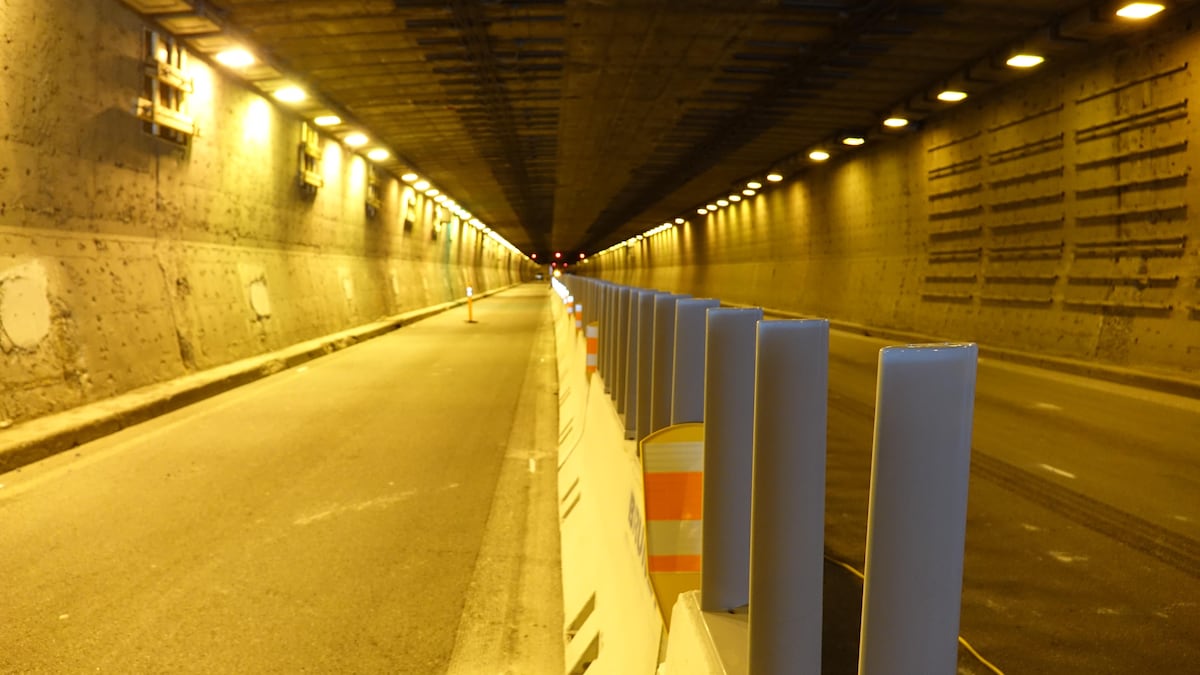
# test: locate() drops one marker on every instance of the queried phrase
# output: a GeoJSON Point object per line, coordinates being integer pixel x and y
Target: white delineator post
{"type": "Point", "coordinates": [687, 395]}
{"type": "Point", "coordinates": [787, 520]}
{"type": "Point", "coordinates": [728, 460]}
{"type": "Point", "coordinates": [916, 522]}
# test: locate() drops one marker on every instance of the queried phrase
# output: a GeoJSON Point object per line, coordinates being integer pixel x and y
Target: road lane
{"type": "Point", "coordinates": [326, 519]}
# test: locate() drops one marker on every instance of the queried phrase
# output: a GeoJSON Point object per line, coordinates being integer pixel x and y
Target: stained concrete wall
{"type": "Point", "coordinates": [1056, 216]}
{"type": "Point", "coordinates": [125, 261]}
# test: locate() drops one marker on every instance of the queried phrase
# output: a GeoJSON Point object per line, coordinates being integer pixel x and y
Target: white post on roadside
{"type": "Point", "coordinates": [916, 521]}
{"type": "Point", "coordinates": [728, 459]}
{"type": "Point", "coordinates": [787, 518]}
{"type": "Point", "coordinates": [622, 340]}
{"type": "Point", "coordinates": [687, 397]}
{"type": "Point", "coordinates": [645, 375]}
{"type": "Point", "coordinates": [664, 361]}
{"type": "Point", "coordinates": [633, 357]}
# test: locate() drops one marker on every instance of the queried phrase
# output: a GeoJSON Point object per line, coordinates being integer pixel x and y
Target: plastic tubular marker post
{"type": "Point", "coordinates": [622, 339]}
{"type": "Point", "coordinates": [687, 397]}
{"type": "Point", "coordinates": [916, 521]}
{"type": "Point", "coordinates": [645, 389]}
{"type": "Point", "coordinates": [728, 439]}
{"type": "Point", "coordinates": [633, 342]}
{"type": "Point", "coordinates": [787, 516]}
{"type": "Point", "coordinates": [662, 379]}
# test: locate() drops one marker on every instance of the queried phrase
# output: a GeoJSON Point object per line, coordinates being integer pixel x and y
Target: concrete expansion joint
{"type": "Point", "coordinates": [30, 441]}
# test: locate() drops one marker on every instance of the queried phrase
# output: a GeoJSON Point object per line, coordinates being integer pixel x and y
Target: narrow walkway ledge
{"type": "Point", "coordinates": [37, 439]}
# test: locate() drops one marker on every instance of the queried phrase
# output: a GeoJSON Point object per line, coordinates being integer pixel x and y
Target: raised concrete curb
{"type": "Point", "coordinates": [1138, 378]}
{"type": "Point", "coordinates": [39, 438]}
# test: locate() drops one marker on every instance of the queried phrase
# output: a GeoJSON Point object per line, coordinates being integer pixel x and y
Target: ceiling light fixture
{"type": "Point", "coordinates": [952, 96]}
{"type": "Point", "coordinates": [722, 202]}
{"type": "Point", "coordinates": [818, 155]}
{"type": "Point", "coordinates": [702, 211]}
{"type": "Point", "coordinates": [235, 58]}
{"type": "Point", "coordinates": [748, 192]}
{"type": "Point", "coordinates": [1140, 10]}
{"type": "Point", "coordinates": [378, 155]}
{"type": "Point", "coordinates": [409, 177]}
{"type": "Point", "coordinates": [895, 122]}
{"type": "Point", "coordinates": [290, 94]}
{"type": "Point", "coordinates": [735, 198]}
{"type": "Point", "coordinates": [774, 177]}
{"type": "Point", "coordinates": [327, 120]}
{"type": "Point", "coordinates": [432, 192]}
{"type": "Point", "coordinates": [679, 221]}
{"type": "Point", "coordinates": [853, 140]}
{"type": "Point", "coordinates": [421, 185]}
{"type": "Point", "coordinates": [711, 207]}
{"type": "Point", "coordinates": [356, 140]}
{"type": "Point", "coordinates": [1024, 61]}
{"type": "Point", "coordinates": [754, 185]}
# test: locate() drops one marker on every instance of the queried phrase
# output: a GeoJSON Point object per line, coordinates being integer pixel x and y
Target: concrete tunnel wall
{"type": "Point", "coordinates": [1057, 215]}
{"type": "Point", "coordinates": [126, 261]}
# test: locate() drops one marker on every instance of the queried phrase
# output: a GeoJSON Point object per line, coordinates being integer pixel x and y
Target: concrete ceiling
{"type": "Point", "coordinates": [572, 124]}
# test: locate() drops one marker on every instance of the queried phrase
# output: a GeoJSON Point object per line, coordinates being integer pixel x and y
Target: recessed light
{"type": "Point", "coordinates": [356, 140]}
{"type": "Point", "coordinates": [774, 177]}
{"type": "Point", "coordinates": [702, 211]}
{"type": "Point", "coordinates": [409, 177]}
{"type": "Point", "coordinates": [378, 155]}
{"type": "Point", "coordinates": [327, 120]}
{"type": "Point", "coordinates": [290, 94]}
{"type": "Point", "coordinates": [1139, 10]}
{"type": "Point", "coordinates": [1024, 60]}
{"type": "Point", "coordinates": [722, 202]}
{"type": "Point", "coordinates": [735, 198]}
{"type": "Point", "coordinates": [853, 140]}
{"type": "Point", "coordinates": [748, 192]}
{"type": "Point", "coordinates": [895, 122]}
{"type": "Point", "coordinates": [235, 58]}
{"type": "Point", "coordinates": [711, 207]}
{"type": "Point", "coordinates": [952, 96]}
{"type": "Point", "coordinates": [421, 185]}
{"type": "Point", "coordinates": [754, 185]}
{"type": "Point", "coordinates": [818, 155]}
{"type": "Point", "coordinates": [433, 192]}
{"type": "Point", "coordinates": [679, 221]}
{"type": "Point", "coordinates": [441, 199]}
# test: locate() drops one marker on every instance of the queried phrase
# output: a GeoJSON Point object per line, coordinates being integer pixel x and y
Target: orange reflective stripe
{"type": "Point", "coordinates": [674, 563]}
{"type": "Point", "coordinates": [674, 495]}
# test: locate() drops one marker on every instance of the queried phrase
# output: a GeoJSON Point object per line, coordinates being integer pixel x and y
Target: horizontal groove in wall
{"type": "Point", "coordinates": [956, 169]}
{"type": "Point", "coordinates": [1029, 226]}
{"type": "Point", "coordinates": [1119, 308]}
{"type": "Point", "coordinates": [1132, 156]}
{"type": "Point", "coordinates": [961, 233]}
{"type": "Point", "coordinates": [957, 213]}
{"type": "Point", "coordinates": [1115, 127]}
{"type": "Point", "coordinates": [1039, 279]}
{"type": "Point", "coordinates": [1015, 300]}
{"type": "Point", "coordinates": [1153, 213]}
{"type": "Point", "coordinates": [1137, 282]}
{"type": "Point", "coordinates": [957, 141]}
{"type": "Point", "coordinates": [1028, 118]}
{"type": "Point", "coordinates": [948, 297]}
{"type": "Point", "coordinates": [1029, 202]}
{"type": "Point", "coordinates": [1032, 177]}
{"type": "Point", "coordinates": [950, 278]}
{"type": "Point", "coordinates": [1132, 83]}
{"type": "Point", "coordinates": [1038, 147]}
{"type": "Point", "coordinates": [1115, 189]}
{"type": "Point", "coordinates": [959, 192]}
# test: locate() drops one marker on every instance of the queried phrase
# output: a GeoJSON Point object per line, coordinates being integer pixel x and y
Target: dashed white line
{"type": "Point", "coordinates": [1047, 406]}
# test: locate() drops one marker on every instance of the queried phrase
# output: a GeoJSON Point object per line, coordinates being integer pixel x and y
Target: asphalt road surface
{"type": "Point", "coordinates": [389, 508]}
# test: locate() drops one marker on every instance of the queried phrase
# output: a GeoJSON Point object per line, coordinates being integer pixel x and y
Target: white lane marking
{"type": "Point", "coordinates": [63, 617]}
{"type": "Point", "coordinates": [302, 369]}
{"type": "Point", "coordinates": [1031, 528]}
{"type": "Point", "coordinates": [1055, 470]}
{"type": "Point", "coordinates": [1067, 557]}
{"type": "Point", "coordinates": [532, 465]}
{"type": "Point", "coordinates": [1182, 519]}
{"type": "Point", "coordinates": [378, 503]}
{"type": "Point", "coordinates": [1047, 406]}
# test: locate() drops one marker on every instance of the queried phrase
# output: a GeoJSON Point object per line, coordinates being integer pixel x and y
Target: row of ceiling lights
{"type": "Point", "coordinates": [238, 58]}
{"type": "Point", "coordinates": [1133, 11]}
